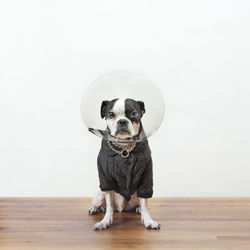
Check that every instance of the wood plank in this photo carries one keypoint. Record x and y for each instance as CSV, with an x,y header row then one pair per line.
x,y
186,223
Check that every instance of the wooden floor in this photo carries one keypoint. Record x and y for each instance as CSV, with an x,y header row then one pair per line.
x,y
186,223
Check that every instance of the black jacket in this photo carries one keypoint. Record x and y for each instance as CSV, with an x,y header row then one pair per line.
x,y
126,175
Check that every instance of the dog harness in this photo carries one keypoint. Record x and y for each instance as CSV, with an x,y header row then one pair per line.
x,y
126,175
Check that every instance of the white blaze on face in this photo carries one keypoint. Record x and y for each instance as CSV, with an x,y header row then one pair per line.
x,y
119,111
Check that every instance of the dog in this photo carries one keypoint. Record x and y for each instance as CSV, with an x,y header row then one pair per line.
x,y
124,166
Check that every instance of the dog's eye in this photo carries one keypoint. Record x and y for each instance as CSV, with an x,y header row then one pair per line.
x,y
134,113
111,114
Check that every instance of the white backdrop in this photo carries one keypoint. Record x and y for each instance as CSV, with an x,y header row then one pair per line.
x,y
197,52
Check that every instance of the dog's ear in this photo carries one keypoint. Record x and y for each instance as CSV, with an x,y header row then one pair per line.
x,y
104,108
142,107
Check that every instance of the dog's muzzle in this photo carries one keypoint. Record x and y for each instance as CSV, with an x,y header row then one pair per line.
x,y
122,127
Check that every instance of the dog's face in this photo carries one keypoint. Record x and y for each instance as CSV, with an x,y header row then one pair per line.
x,y
123,117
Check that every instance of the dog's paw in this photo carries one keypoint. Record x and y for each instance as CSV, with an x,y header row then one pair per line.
x,y
151,224
103,224
94,210
138,210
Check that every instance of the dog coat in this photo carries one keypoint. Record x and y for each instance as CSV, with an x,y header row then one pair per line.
x,y
126,175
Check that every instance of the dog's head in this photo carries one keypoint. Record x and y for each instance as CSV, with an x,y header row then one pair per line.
x,y
123,117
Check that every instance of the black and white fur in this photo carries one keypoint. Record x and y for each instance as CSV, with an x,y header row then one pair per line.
x,y
123,118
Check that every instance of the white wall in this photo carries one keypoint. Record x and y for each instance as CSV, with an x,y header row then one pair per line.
x,y
197,52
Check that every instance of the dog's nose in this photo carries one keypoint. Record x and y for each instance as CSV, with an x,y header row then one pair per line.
x,y
122,122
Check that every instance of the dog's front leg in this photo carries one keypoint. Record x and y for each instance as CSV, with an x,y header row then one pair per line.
x,y
108,218
145,216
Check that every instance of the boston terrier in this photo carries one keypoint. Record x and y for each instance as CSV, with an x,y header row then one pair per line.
x,y
124,164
